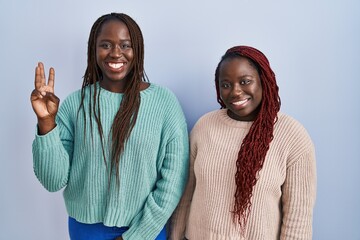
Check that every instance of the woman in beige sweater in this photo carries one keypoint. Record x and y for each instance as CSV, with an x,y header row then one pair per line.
x,y
252,170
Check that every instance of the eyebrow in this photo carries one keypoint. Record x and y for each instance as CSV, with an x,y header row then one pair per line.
x,y
242,76
109,40
246,75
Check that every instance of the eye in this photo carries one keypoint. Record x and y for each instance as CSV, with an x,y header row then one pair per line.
x,y
105,45
245,82
225,85
125,45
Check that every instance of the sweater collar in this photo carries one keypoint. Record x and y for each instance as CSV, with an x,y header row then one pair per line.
x,y
107,93
231,122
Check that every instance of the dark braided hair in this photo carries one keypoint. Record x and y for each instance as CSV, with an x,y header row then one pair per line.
x,y
256,143
126,116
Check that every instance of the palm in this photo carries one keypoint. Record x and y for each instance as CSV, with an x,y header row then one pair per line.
x,y
43,100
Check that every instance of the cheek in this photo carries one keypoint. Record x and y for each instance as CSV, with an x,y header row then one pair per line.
x,y
130,55
100,52
224,94
97,56
97,59
257,91
258,98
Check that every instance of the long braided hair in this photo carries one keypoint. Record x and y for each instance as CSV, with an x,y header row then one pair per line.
x,y
256,143
126,116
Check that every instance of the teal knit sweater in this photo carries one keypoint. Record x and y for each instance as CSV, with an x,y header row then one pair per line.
x,y
153,166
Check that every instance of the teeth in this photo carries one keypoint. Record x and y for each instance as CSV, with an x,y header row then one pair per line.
x,y
240,102
116,65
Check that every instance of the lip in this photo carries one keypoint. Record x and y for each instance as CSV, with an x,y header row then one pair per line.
x,y
240,103
115,66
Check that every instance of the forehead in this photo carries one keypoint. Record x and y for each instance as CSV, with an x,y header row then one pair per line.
x,y
114,28
237,65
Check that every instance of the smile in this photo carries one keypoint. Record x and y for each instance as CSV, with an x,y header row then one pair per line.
x,y
238,103
115,65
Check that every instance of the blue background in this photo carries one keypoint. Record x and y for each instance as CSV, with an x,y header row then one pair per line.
x,y
313,47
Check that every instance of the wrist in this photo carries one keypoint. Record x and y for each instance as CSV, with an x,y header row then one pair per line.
x,y
46,125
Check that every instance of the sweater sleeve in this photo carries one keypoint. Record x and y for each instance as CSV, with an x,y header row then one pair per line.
x,y
52,152
177,223
162,201
298,199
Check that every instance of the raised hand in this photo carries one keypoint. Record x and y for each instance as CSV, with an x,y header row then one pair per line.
x,y
43,100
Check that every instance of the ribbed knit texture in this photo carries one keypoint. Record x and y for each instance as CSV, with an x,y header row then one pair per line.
x,y
283,197
153,166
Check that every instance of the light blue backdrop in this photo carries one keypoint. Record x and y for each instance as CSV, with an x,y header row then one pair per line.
x,y
313,46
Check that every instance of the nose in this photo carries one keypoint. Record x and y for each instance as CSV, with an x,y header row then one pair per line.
x,y
236,90
116,51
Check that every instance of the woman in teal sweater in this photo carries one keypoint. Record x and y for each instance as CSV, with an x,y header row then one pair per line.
x,y
118,146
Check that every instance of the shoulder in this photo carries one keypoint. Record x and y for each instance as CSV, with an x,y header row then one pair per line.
x,y
70,104
160,102
289,125
162,99
73,96
292,135
209,117
207,121
162,92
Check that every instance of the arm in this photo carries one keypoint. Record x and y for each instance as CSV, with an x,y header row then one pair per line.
x,y
53,142
51,158
177,223
162,201
298,199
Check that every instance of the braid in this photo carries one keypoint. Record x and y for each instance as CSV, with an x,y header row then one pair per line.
x,y
256,143
126,116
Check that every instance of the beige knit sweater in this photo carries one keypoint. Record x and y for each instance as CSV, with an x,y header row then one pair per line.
x,y
283,197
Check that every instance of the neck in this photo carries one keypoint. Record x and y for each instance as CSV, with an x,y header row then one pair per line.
x,y
114,86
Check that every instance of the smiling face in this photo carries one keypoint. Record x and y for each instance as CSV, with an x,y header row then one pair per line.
x,y
240,88
114,55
